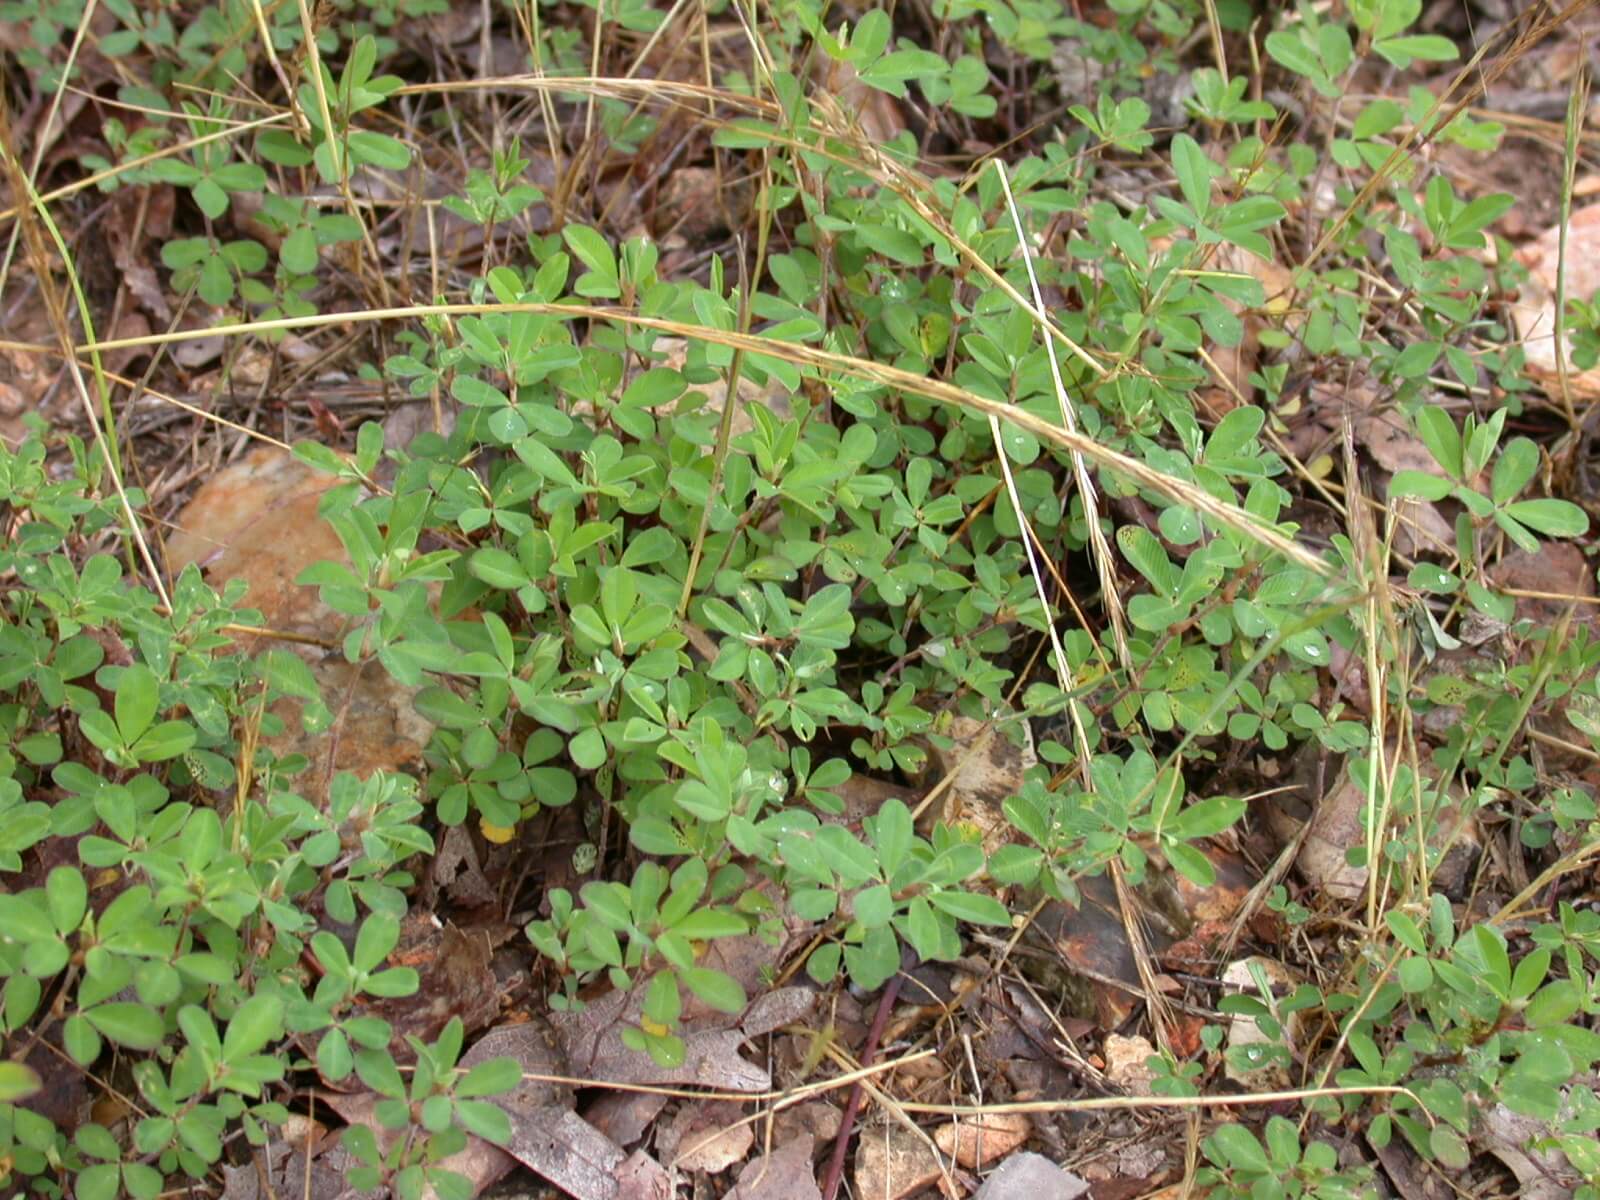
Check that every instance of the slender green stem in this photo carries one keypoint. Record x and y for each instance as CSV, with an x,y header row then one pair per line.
x,y
747,282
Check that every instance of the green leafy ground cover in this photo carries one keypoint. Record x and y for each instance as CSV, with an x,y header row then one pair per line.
x,y
1003,484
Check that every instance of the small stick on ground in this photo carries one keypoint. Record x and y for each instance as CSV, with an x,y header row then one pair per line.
x,y
891,991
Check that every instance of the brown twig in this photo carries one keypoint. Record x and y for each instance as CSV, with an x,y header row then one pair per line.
x,y
830,1183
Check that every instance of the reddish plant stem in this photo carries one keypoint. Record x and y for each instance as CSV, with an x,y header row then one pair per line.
x,y
891,991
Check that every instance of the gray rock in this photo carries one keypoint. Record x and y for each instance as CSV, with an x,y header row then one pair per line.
x,y
1030,1177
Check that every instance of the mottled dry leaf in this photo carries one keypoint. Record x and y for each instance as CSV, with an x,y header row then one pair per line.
x,y
1535,309
706,1136
257,521
983,1140
988,767
592,1042
280,1168
454,980
893,1163
772,396
1090,964
1126,1065
625,1116
785,1174
640,1177
457,872
1243,1031
1542,1174
481,1163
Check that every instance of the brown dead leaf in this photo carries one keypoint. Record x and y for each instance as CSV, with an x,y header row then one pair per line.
x,y
1244,1032
454,980
547,1136
257,521
1236,363
983,1140
281,1167
592,1043
1087,961
705,1136
893,1163
457,873
988,767
1336,825
872,109
698,204
1126,1065
624,1117
1542,1174
785,1174
1535,312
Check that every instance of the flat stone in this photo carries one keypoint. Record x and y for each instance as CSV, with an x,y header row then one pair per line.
x,y
1029,1176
